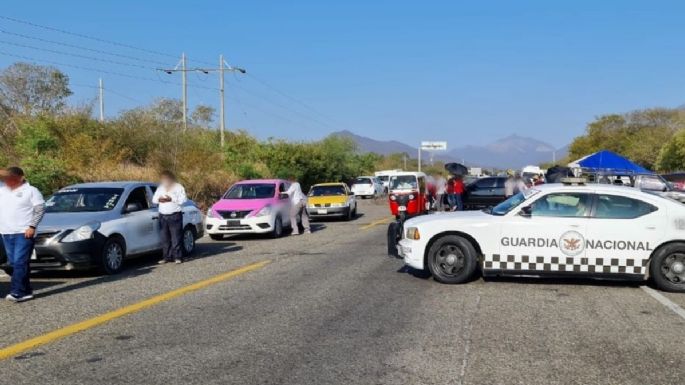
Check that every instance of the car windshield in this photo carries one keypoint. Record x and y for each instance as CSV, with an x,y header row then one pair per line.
x,y
512,202
77,200
251,191
319,191
362,181
403,182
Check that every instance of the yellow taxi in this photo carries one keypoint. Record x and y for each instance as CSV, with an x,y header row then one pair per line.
x,y
327,200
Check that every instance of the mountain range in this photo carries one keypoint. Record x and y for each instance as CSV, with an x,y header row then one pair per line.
x,y
513,151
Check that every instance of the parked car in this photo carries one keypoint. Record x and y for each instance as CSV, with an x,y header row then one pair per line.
x,y
103,224
676,179
484,192
651,183
327,200
367,187
258,206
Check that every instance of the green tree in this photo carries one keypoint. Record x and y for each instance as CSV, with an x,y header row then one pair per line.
x,y
28,89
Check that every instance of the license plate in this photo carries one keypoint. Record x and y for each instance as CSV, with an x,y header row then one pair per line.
x,y
233,223
34,256
402,208
322,211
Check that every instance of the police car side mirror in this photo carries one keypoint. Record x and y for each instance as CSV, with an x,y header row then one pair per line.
x,y
526,211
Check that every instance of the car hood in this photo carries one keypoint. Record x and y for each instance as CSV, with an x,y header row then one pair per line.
x,y
241,204
68,221
453,217
327,199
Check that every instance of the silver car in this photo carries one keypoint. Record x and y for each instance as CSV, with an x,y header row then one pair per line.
x,y
102,224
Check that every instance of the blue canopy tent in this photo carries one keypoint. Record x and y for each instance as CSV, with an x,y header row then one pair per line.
x,y
608,161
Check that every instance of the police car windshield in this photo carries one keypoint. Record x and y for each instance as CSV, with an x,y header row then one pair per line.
x,y
78,200
251,191
512,202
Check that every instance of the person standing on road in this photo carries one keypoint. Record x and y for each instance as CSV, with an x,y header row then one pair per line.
x,y
170,196
298,206
458,193
509,185
23,207
440,191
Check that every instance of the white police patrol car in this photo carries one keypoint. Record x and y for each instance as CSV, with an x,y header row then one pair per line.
x,y
568,229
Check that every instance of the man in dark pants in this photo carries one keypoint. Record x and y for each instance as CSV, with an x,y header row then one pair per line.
x,y
22,209
170,196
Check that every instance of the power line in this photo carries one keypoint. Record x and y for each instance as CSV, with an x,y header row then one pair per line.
x,y
84,36
98,70
74,55
276,90
81,47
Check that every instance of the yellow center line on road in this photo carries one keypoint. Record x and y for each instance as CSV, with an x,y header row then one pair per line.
x,y
378,222
66,331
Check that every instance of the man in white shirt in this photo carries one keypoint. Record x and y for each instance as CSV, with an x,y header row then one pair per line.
x,y
23,207
170,196
298,204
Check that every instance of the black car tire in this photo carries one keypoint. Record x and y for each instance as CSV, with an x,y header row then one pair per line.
x,y
393,237
112,255
659,267
216,237
277,232
349,214
188,239
452,259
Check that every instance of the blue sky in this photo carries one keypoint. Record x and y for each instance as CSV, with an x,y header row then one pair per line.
x,y
466,72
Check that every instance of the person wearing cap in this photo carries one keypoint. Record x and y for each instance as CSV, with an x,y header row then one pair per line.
x,y
170,196
23,207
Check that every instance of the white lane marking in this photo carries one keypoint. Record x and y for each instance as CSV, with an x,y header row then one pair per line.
x,y
664,301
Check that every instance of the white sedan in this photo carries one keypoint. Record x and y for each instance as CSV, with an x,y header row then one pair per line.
x,y
558,229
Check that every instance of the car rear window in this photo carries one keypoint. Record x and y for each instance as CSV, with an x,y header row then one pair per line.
x,y
619,207
362,181
318,191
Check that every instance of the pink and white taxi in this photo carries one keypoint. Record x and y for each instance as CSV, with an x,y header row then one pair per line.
x,y
257,206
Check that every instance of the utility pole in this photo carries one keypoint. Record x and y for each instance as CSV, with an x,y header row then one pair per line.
x,y
184,77
223,67
101,94
419,158
222,113
184,85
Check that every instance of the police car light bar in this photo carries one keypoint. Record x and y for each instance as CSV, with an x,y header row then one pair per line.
x,y
573,181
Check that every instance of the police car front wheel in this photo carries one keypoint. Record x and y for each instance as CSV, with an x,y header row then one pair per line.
x,y
452,259
668,267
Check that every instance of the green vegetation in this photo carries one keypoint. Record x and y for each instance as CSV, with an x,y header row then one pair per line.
x,y
59,145
653,138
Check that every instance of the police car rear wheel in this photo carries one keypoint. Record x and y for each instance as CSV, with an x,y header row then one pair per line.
x,y
452,259
668,267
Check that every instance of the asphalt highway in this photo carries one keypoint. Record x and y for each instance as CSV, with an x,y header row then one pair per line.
x,y
332,308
